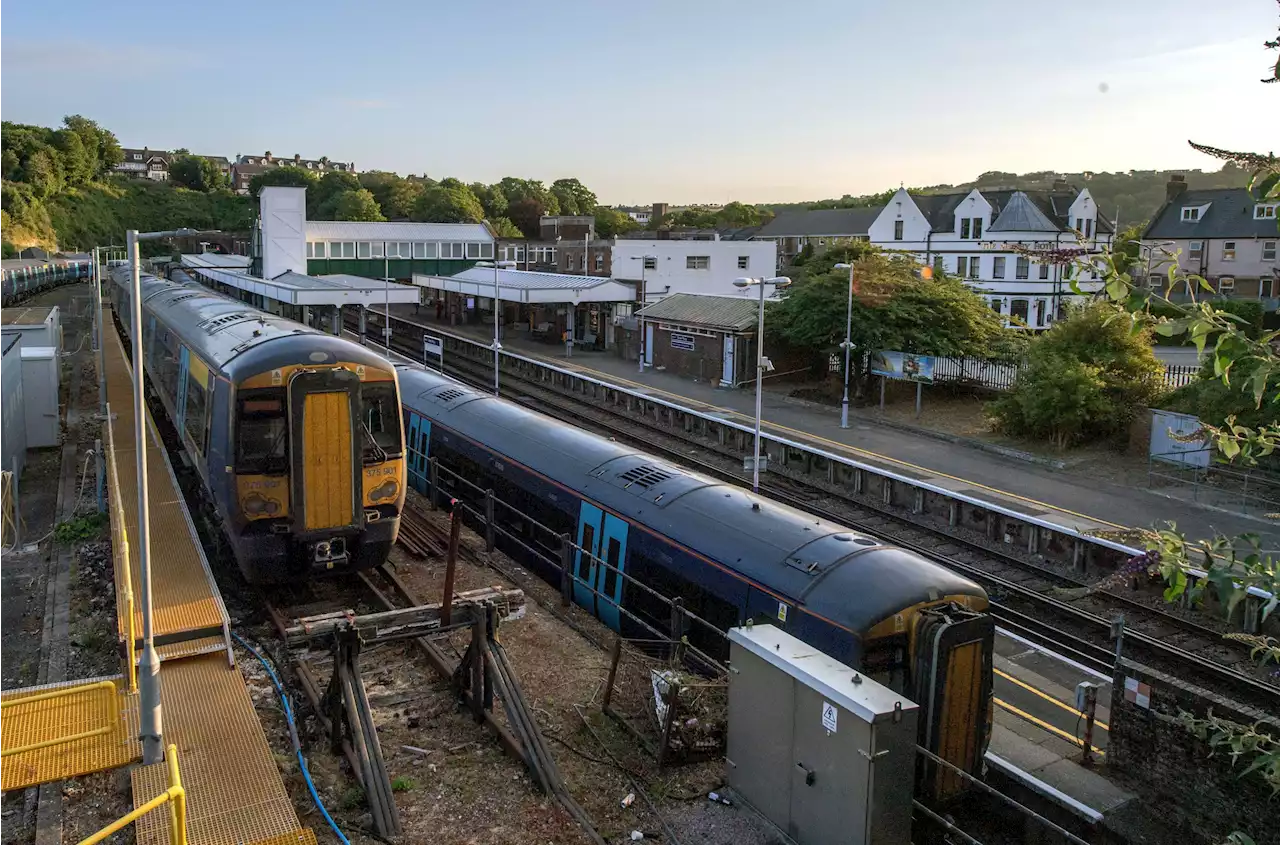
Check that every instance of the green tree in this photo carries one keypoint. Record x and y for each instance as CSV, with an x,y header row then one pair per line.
x,y
573,197
527,215
492,200
289,177
196,172
43,172
517,190
740,214
355,205
448,203
101,146
395,195
320,199
610,222
504,228
78,164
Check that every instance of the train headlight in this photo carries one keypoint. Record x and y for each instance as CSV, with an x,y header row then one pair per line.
x,y
256,504
386,490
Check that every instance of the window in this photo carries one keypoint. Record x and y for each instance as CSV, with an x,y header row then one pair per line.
x,y
379,421
744,261
377,249
997,267
1044,271
897,230
473,250
1268,250
1195,250
262,437
1226,284
362,249
419,250
613,553
486,250
1190,215
1155,281
1080,225
962,266
977,228
584,556
697,262
342,249
1265,211
406,249
1088,228
1269,287
599,261
1019,309
138,157
650,262
429,250
975,262
1228,250
194,420
317,249
997,306
964,229
1023,270
451,250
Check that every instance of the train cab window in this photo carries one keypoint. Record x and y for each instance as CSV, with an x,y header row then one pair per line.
x,y
380,420
262,439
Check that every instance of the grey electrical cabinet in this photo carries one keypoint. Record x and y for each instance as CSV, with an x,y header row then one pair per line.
x,y
822,751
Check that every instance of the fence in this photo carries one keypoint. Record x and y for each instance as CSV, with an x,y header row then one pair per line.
x,y
1252,492
1000,375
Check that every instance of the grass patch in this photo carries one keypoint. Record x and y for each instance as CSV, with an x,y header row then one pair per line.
x,y
403,784
82,529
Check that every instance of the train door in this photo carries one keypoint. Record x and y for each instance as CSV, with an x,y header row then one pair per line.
x,y
184,366
613,550
419,441
584,558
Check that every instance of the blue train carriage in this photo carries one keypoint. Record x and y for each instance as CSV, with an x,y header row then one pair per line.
x,y
295,433
729,555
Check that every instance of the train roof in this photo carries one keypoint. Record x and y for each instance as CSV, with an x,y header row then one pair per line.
x,y
847,576
220,329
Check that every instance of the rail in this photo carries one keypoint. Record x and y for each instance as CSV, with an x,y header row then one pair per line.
x,y
175,796
106,689
120,548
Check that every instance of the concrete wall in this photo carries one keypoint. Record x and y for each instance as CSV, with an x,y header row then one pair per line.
x,y
1172,769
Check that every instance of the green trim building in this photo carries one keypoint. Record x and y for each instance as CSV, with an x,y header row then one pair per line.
x,y
395,250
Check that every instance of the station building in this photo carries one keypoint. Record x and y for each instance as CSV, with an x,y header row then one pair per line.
x,y
395,250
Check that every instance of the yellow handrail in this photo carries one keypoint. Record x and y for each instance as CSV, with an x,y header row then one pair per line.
x,y
175,795
122,554
113,714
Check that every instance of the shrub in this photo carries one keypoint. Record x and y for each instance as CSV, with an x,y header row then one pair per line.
x,y
1086,378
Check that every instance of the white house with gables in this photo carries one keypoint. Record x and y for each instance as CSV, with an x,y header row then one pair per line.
x,y
1008,244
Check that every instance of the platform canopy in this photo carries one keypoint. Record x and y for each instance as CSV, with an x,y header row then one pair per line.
x,y
299,289
531,287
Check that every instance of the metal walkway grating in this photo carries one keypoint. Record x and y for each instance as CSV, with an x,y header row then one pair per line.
x,y
234,792
67,716
186,601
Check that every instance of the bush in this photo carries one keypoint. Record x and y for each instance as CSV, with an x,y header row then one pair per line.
x,y
1086,379
1248,310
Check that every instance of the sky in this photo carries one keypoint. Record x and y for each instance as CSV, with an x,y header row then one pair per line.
x,y
655,101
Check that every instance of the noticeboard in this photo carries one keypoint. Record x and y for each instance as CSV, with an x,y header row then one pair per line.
x,y
903,365
683,341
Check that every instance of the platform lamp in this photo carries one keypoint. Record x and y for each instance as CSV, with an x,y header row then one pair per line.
x,y
149,681
497,298
762,363
644,262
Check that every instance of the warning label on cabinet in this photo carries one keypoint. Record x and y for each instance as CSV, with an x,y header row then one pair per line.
x,y
829,716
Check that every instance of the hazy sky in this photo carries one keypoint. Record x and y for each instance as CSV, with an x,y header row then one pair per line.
x,y
650,100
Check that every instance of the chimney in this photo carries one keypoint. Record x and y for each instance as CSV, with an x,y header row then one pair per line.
x,y
659,209
1175,187
1061,185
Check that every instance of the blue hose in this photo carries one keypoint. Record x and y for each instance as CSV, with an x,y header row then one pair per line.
x,y
293,736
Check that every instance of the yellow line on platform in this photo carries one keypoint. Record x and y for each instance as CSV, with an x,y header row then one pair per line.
x,y
1040,723
1049,698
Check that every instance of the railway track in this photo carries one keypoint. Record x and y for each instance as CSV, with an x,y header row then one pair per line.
x,y
1043,605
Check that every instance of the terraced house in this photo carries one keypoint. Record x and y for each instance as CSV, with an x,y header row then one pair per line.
x,y
1004,243
1223,235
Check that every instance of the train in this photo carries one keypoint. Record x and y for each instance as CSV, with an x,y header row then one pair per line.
x,y
729,555
295,433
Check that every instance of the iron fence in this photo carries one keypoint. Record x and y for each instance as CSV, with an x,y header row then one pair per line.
x,y
994,374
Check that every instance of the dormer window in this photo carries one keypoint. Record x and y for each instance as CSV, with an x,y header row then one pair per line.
x,y
1191,214
1264,211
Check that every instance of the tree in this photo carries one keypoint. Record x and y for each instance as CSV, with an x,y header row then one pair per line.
x,y
289,177
43,173
101,146
355,205
516,190
740,214
527,214
573,197
77,166
504,228
610,222
492,200
196,172
451,203
395,195
320,199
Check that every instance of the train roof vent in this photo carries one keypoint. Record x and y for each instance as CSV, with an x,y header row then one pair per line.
x,y
645,476
183,297
225,320
450,393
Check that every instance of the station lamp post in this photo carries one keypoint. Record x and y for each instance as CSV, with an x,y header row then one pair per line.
x,y
644,262
149,680
762,363
847,346
497,293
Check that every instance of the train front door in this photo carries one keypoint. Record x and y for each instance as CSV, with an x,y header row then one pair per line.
x,y
585,556
609,578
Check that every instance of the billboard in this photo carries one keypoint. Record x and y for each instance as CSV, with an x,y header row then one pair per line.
x,y
903,365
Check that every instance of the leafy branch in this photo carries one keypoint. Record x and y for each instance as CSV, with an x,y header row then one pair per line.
x,y
1253,744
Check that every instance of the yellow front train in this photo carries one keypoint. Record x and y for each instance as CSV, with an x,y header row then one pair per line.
x,y
295,433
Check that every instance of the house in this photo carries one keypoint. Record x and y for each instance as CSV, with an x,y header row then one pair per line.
x,y
662,267
1224,235
822,229
248,166
1009,244
145,164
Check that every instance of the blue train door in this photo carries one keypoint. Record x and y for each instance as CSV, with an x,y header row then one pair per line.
x,y
613,551
419,441
184,366
584,565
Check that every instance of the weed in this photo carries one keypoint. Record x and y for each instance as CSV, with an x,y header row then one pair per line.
x,y
352,798
72,532
403,784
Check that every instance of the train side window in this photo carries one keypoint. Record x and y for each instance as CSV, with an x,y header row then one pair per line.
x,y
197,407
584,558
262,438
611,571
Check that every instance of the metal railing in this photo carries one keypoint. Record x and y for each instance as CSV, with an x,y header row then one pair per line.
x,y
120,549
104,689
1252,492
174,795
994,374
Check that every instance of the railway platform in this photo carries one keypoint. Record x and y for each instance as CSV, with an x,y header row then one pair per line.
x,y
230,787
